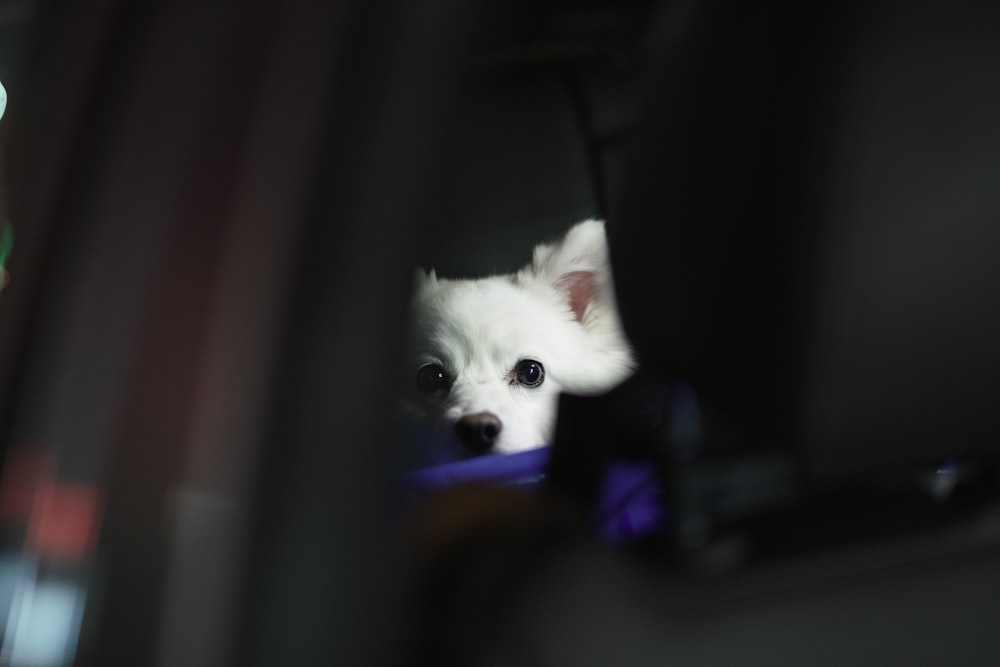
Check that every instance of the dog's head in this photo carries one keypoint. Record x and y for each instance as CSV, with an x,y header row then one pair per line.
x,y
490,356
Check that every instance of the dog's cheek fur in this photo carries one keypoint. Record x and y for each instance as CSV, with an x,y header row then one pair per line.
x,y
529,425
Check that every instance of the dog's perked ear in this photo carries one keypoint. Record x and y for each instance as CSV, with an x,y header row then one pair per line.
x,y
423,278
578,266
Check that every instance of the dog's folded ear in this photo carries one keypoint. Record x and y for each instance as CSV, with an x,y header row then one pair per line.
x,y
577,266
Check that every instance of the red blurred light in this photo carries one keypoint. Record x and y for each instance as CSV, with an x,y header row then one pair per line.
x,y
63,520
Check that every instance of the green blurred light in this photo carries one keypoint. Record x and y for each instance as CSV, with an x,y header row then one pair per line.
x,y
6,243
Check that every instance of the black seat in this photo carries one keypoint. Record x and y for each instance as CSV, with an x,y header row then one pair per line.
x,y
807,230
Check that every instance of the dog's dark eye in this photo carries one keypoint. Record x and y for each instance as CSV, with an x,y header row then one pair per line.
x,y
529,372
431,377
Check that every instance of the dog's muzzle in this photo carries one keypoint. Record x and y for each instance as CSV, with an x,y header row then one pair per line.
x,y
479,432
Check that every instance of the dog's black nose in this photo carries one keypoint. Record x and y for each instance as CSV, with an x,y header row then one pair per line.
x,y
479,432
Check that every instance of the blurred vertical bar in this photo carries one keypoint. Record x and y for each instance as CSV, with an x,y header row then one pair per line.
x,y
163,162
278,83
320,587
123,168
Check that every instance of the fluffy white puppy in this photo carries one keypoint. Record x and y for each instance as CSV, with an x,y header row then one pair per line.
x,y
492,355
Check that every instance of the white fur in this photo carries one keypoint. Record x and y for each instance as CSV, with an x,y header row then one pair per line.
x,y
478,330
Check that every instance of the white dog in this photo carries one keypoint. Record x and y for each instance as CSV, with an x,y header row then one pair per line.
x,y
492,355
